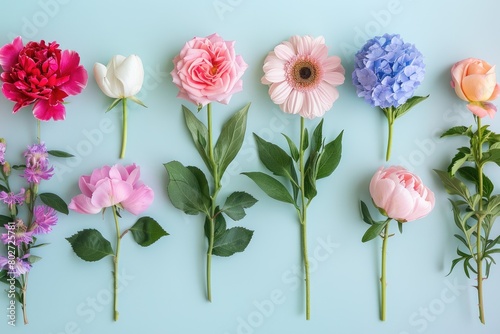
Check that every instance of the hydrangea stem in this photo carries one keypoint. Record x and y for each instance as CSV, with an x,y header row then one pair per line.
x,y
479,255
124,128
303,218
390,121
115,266
383,279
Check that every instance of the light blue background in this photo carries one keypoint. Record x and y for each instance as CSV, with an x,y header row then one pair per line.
x,y
258,291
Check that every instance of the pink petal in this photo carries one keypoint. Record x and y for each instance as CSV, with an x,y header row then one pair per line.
x,y
495,93
82,204
283,52
293,104
479,87
9,53
111,192
43,111
85,187
139,200
279,92
480,110
70,65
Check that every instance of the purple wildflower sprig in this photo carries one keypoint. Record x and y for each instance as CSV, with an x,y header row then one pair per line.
x,y
22,230
387,71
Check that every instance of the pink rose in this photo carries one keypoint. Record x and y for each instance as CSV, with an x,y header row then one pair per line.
x,y
42,74
108,186
474,80
400,195
207,70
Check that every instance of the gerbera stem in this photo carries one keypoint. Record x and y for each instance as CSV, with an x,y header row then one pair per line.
x,y
303,217
479,255
383,284
390,121
115,268
124,128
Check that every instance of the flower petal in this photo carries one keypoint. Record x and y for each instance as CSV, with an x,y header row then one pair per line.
x,y
82,204
140,199
131,74
9,53
111,192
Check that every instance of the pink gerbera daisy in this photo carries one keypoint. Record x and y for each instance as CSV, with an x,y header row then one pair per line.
x,y
302,78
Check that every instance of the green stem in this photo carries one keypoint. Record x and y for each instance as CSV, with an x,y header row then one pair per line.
x,y
479,255
124,128
39,132
303,217
23,294
390,121
383,280
213,203
115,267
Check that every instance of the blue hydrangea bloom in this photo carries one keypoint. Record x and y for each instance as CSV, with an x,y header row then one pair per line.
x,y
387,71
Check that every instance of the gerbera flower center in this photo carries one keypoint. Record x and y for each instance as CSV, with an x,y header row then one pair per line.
x,y
304,74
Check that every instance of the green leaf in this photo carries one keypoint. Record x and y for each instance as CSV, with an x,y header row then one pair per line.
x,y
470,174
330,158
146,231
458,160
317,137
400,227
453,185
492,156
493,207
233,240
202,181
373,231
55,202
294,152
456,131
33,259
220,224
365,213
230,139
236,204
90,245
272,187
3,188
5,220
60,154
410,103
136,100
311,171
305,144
184,189
114,104
5,278
274,157
199,133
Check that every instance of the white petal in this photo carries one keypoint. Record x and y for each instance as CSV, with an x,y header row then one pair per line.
x,y
100,73
294,103
131,74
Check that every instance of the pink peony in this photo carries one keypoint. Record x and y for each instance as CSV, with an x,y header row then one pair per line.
x,y
474,81
400,195
41,74
108,186
302,78
207,70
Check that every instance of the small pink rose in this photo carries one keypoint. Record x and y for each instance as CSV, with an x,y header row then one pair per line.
x,y
400,195
474,81
208,70
109,186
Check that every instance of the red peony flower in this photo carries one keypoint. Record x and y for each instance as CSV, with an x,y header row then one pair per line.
x,y
41,74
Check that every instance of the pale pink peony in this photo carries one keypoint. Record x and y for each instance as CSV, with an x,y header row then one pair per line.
x,y
302,77
41,74
474,81
108,186
207,70
400,195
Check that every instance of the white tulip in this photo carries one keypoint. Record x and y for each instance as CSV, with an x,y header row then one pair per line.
x,y
121,78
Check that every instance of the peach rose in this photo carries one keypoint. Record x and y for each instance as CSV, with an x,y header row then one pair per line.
x,y
474,80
